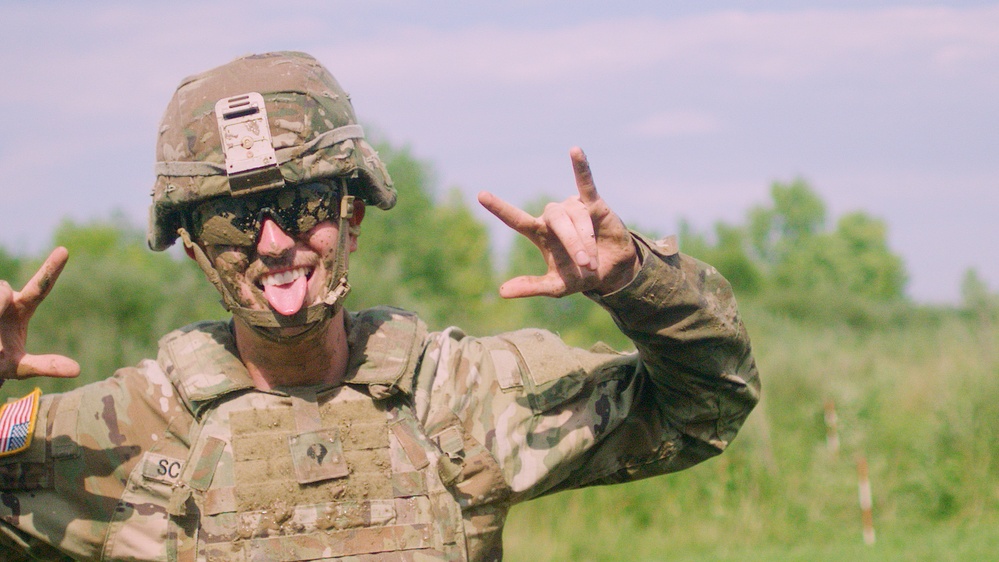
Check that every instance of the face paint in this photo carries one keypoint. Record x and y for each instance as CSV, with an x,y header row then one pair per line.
x,y
236,221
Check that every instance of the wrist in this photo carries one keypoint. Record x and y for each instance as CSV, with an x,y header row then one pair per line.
x,y
624,273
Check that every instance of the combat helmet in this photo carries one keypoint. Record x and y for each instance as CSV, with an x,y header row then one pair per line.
x,y
259,123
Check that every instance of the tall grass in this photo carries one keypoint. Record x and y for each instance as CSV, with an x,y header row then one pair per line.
x,y
917,395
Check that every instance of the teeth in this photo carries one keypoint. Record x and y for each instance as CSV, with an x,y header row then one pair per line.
x,y
283,277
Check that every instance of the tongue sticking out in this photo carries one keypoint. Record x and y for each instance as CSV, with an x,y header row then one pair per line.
x,y
287,299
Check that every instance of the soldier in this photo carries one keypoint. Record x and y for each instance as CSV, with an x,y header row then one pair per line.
x,y
300,431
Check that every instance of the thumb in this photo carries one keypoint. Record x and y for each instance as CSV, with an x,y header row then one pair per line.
x,y
48,365
533,286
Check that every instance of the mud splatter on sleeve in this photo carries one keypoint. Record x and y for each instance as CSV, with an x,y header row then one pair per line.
x,y
537,416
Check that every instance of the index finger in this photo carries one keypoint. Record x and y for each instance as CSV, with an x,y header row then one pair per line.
x,y
512,216
584,178
41,282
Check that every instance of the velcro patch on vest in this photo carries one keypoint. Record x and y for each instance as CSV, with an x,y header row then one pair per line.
x,y
318,455
17,423
507,368
162,468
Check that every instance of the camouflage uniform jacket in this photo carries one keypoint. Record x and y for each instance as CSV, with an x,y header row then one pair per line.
x,y
437,434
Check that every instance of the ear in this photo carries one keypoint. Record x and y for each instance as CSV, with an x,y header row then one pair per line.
x,y
190,252
355,223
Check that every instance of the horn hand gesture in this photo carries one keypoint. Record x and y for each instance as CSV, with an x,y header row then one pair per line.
x,y
585,245
16,309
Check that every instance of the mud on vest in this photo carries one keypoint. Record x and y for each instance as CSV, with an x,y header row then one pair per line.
x,y
310,473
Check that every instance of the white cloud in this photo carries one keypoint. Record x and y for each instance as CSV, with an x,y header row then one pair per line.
x,y
675,124
784,46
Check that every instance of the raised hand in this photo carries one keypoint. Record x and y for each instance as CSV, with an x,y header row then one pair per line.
x,y
16,309
586,246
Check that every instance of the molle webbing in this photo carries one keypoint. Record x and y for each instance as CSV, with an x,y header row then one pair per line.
x,y
379,504
264,470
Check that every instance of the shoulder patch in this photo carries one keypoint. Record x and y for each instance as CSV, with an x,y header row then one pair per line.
x,y
17,423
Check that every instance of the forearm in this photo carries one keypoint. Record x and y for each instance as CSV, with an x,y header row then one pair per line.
x,y
682,316
551,417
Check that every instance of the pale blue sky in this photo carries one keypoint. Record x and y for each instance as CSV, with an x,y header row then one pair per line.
x,y
685,110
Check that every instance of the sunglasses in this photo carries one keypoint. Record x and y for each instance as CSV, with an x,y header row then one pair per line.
x,y
236,221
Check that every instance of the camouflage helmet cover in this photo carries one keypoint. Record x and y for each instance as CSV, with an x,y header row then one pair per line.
x,y
306,110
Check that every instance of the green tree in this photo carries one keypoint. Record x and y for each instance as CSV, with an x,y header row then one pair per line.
x,y
976,298
729,254
796,213
872,269
854,259
785,253
425,255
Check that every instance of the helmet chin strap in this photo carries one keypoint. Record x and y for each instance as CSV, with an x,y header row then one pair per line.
x,y
269,324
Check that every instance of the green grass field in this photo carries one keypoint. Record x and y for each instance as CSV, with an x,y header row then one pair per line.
x,y
917,396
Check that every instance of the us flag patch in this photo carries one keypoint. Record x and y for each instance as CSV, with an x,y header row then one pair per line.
x,y
17,423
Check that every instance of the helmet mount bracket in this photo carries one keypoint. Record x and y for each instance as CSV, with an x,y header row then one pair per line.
x,y
250,161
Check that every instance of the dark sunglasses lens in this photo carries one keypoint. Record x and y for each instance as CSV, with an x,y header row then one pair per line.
x,y
236,222
297,211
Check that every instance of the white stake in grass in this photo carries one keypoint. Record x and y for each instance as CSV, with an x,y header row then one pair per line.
x,y
866,503
832,431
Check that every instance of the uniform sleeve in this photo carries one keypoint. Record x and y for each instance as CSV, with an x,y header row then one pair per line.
x,y
523,414
60,494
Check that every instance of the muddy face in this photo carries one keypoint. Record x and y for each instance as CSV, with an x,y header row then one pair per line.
x,y
279,271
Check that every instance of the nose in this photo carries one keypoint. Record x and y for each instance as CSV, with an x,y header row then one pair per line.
x,y
273,241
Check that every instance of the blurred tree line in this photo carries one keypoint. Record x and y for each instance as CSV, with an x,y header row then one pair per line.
x,y
786,256
432,254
